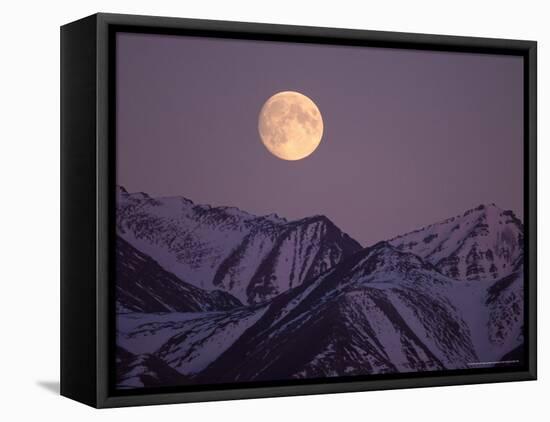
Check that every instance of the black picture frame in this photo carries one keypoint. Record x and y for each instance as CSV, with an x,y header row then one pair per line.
x,y
87,210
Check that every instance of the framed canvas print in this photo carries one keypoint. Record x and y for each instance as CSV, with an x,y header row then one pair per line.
x,y
254,210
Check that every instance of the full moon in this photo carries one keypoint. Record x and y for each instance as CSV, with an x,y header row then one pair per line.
x,y
290,125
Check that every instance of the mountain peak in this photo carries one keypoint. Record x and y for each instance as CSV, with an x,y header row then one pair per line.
x,y
319,218
483,208
121,191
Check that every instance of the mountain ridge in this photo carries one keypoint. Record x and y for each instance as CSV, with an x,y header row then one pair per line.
x,y
313,302
481,243
253,258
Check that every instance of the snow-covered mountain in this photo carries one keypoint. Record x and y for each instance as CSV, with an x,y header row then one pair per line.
x,y
253,258
144,286
485,243
315,303
379,311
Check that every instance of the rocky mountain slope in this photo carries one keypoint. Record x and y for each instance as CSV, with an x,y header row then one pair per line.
x,y
380,311
315,303
484,243
253,258
144,286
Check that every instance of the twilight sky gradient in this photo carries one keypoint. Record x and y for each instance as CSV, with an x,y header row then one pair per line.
x,y
410,137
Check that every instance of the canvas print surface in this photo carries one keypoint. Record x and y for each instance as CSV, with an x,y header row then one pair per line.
x,y
290,211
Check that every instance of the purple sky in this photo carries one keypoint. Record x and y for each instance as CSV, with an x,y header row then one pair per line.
x,y
410,138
